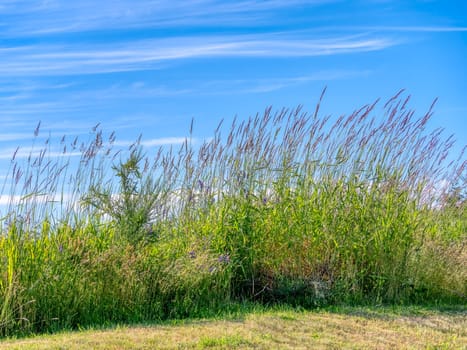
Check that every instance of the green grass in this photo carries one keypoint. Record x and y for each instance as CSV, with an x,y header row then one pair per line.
x,y
284,208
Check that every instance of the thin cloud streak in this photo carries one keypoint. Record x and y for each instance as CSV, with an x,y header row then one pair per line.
x,y
23,154
241,86
6,200
55,17
35,108
164,141
57,126
421,29
149,54
8,137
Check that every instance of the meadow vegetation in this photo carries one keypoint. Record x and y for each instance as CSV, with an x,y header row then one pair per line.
x,y
284,207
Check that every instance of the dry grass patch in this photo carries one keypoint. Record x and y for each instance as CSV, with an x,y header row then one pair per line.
x,y
353,329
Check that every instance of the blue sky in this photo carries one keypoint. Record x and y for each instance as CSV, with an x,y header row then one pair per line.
x,y
150,66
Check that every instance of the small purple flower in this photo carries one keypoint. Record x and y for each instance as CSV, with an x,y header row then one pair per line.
x,y
201,184
192,254
224,258
60,248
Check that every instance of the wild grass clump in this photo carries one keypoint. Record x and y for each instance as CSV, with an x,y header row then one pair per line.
x,y
284,207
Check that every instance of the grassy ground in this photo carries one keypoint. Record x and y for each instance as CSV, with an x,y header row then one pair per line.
x,y
342,328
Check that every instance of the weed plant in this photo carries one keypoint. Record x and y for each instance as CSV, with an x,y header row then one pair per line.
x,y
287,206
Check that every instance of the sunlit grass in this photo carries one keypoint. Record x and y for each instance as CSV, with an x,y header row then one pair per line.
x,y
348,328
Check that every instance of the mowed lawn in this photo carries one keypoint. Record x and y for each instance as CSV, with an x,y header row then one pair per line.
x,y
343,328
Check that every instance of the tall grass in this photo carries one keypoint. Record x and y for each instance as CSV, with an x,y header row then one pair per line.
x,y
286,206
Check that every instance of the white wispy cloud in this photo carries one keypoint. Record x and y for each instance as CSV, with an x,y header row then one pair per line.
x,y
66,114
8,200
36,198
63,16
163,141
34,108
140,89
149,54
12,136
26,151
273,84
22,153
420,29
131,90
26,18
